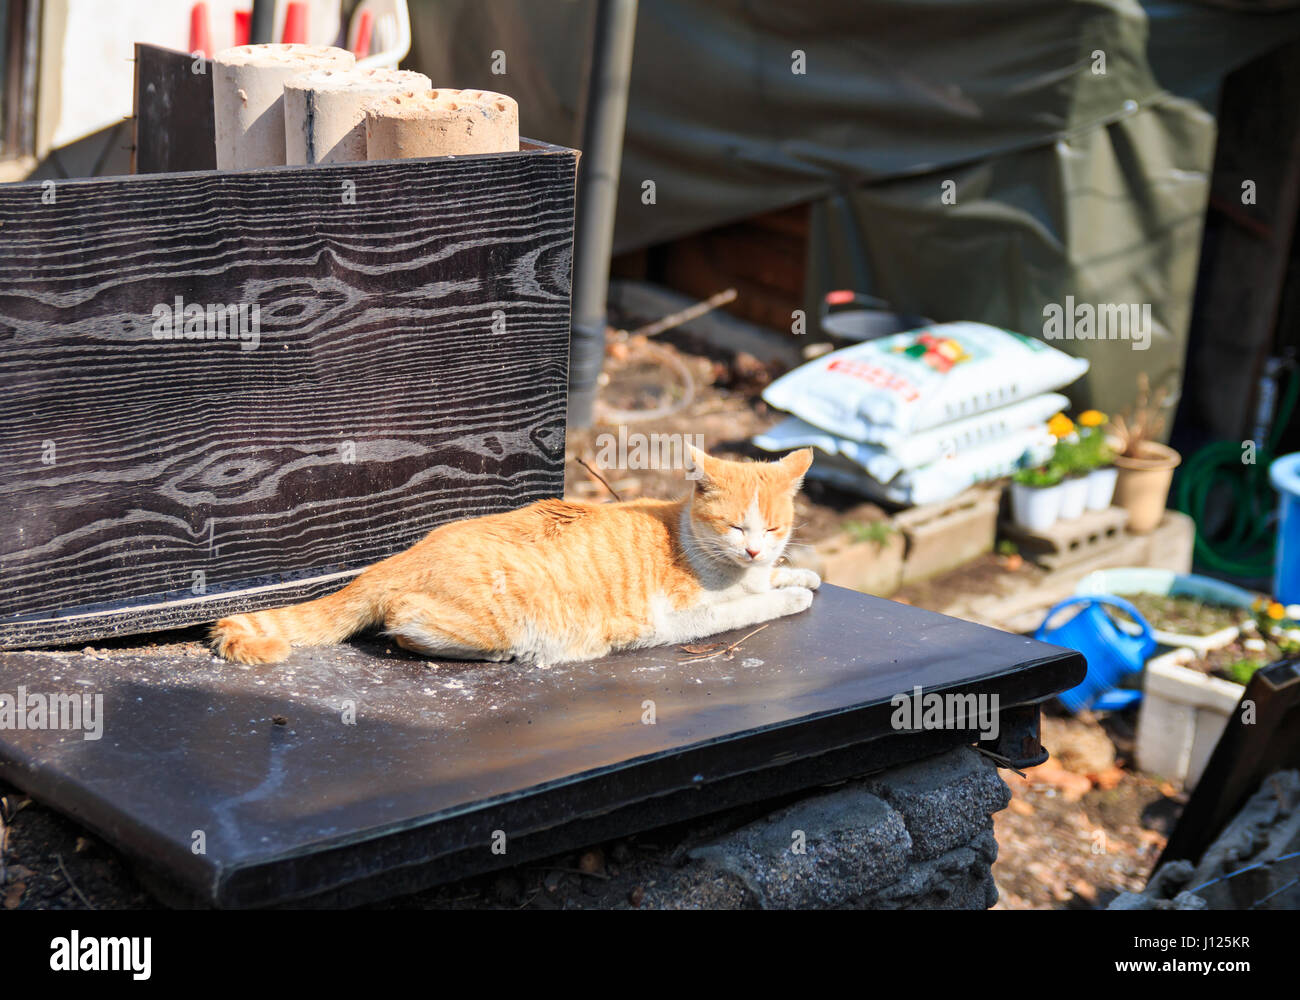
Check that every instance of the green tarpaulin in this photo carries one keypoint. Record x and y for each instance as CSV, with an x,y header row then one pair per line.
x,y
1077,137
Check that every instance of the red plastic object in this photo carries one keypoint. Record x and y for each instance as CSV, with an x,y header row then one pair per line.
x,y
200,31
295,24
243,26
361,47
839,298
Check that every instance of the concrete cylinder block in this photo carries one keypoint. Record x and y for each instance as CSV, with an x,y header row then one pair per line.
x,y
324,110
441,122
248,98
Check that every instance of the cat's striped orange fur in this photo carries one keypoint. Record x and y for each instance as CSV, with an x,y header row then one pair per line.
x,y
559,581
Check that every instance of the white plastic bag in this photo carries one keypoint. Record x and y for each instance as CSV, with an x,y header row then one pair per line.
x,y
885,390
946,477
885,462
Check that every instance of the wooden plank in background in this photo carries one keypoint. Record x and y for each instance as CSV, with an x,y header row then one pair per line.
x,y
173,113
1247,247
410,369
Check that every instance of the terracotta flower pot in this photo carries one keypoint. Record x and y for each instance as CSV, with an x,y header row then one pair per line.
x,y
1143,484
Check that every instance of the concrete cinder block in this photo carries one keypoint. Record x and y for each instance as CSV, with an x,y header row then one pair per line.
x,y
1170,545
866,566
943,536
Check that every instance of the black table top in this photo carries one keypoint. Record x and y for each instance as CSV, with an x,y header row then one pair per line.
x,y
191,744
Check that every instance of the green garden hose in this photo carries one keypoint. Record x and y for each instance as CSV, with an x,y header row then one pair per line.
x,y
1245,547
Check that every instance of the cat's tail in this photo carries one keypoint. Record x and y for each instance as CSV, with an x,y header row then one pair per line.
x,y
266,636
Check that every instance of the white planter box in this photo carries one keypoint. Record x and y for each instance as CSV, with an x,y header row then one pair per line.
x,y
1183,714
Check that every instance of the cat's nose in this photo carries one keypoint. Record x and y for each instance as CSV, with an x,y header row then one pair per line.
x,y
753,553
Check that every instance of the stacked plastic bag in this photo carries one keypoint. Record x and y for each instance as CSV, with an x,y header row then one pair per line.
x,y
919,417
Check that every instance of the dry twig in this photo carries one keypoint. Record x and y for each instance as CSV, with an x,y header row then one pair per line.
x,y
80,895
593,472
728,649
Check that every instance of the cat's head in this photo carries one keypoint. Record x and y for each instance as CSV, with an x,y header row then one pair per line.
x,y
743,512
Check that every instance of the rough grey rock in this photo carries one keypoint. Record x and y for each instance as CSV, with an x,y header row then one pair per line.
x,y
960,879
1240,870
945,800
918,836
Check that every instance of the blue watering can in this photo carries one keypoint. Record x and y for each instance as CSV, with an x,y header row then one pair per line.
x,y
1111,653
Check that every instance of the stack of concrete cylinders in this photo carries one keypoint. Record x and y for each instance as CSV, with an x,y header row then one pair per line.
x,y
248,98
324,110
441,122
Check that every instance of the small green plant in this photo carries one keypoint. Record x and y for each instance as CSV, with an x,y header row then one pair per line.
x,y
1094,451
1041,476
1242,671
1071,456
872,531
1273,622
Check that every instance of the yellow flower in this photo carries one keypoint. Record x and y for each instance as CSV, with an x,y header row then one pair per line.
x,y
1092,418
1060,425
1275,610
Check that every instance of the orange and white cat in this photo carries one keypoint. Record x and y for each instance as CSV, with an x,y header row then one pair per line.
x,y
558,581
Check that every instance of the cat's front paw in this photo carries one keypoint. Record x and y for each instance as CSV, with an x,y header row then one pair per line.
x,y
788,577
792,600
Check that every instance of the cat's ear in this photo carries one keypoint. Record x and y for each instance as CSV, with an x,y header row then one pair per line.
x,y
796,464
699,465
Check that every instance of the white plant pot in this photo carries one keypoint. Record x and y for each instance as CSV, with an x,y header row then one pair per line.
x,y
1183,714
1074,497
1035,508
1101,487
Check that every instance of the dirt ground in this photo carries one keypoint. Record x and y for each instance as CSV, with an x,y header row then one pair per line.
x,y
1080,829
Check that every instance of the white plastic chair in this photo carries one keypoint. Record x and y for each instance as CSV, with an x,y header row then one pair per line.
x,y
390,38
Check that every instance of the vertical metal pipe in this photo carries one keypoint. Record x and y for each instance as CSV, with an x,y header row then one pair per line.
x,y
602,155
261,26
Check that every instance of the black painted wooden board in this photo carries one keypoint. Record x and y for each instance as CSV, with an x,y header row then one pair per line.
x,y
410,369
174,125
441,755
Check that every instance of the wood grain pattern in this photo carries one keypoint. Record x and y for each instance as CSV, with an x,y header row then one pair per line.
x,y
423,328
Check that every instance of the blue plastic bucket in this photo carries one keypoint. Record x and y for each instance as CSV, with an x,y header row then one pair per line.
x,y
1284,474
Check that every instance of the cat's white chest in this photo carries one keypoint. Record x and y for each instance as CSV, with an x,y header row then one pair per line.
x,y
752,581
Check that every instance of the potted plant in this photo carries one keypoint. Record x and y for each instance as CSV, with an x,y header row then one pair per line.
x,y
1098,458
1071,458
1191,694
1146,467
1036,496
